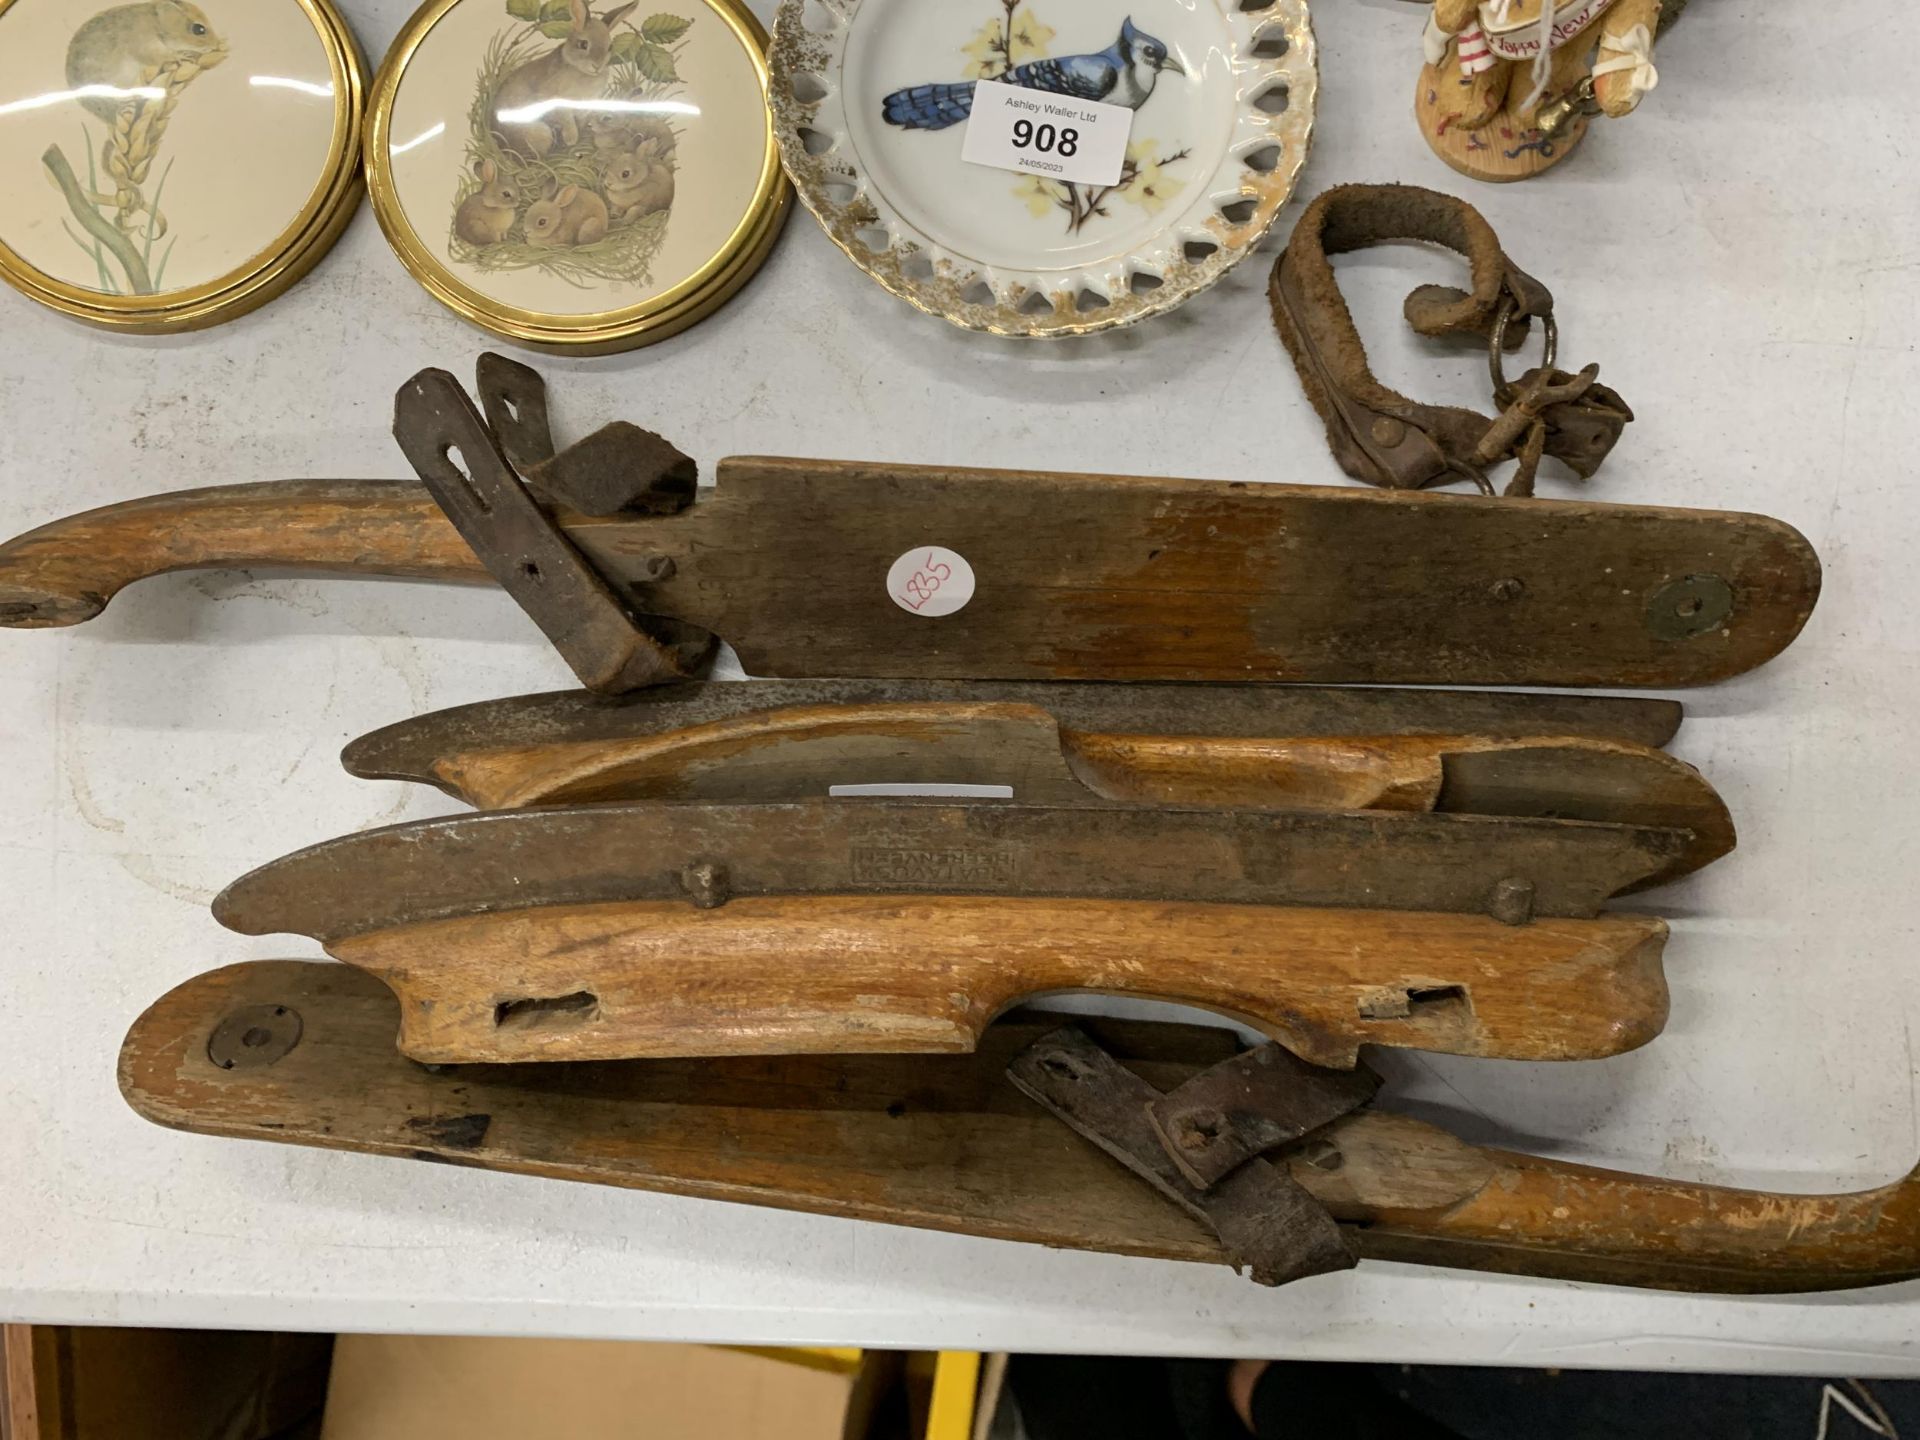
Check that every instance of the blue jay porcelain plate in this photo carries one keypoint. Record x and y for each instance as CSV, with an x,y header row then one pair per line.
x,y
871,100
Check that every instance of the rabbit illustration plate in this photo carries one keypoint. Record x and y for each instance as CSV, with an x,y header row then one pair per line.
x,y
577,175
168,164
871,101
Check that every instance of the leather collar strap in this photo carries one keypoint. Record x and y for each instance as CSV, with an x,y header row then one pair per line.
x,y
1379,435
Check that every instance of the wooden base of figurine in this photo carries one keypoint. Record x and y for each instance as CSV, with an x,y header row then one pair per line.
x,y
1503,149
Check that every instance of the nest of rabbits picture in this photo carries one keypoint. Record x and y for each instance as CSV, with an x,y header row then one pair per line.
x,y
571,151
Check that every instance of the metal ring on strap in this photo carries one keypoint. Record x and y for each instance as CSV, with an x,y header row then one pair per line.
x,y
1497,343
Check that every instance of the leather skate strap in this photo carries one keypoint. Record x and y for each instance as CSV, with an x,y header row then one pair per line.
x,y
1381,436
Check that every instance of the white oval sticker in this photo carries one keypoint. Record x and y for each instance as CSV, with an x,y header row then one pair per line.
x,y
930,580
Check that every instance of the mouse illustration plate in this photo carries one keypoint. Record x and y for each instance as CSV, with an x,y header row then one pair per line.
x,y
871,100
579,176
169,164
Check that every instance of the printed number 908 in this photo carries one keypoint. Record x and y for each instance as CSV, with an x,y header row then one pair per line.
x,y
1045,139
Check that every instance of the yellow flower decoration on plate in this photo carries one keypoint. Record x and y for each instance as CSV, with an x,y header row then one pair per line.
x,y
1030,37
984,51
1143,181
1039,196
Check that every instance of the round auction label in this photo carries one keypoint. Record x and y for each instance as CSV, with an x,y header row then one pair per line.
x,y
930,580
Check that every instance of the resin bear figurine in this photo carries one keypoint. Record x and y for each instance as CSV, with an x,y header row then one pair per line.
x,y
1509,85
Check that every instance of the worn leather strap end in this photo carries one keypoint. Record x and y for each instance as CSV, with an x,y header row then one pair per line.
x,y
1438,311
1441,312
619,469
1582,433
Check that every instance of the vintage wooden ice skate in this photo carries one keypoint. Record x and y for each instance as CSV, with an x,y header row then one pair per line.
x,y
302,1053
1253,747
620,930
862,569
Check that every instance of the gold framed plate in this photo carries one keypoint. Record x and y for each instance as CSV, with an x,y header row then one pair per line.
x,y
169,164
580,176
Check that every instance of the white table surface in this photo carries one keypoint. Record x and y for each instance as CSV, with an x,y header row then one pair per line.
x,y
1743,258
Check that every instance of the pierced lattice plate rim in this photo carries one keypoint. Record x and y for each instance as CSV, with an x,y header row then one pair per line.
x,y
1214,226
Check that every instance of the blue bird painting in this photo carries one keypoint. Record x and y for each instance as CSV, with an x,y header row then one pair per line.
x,y
1122,74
